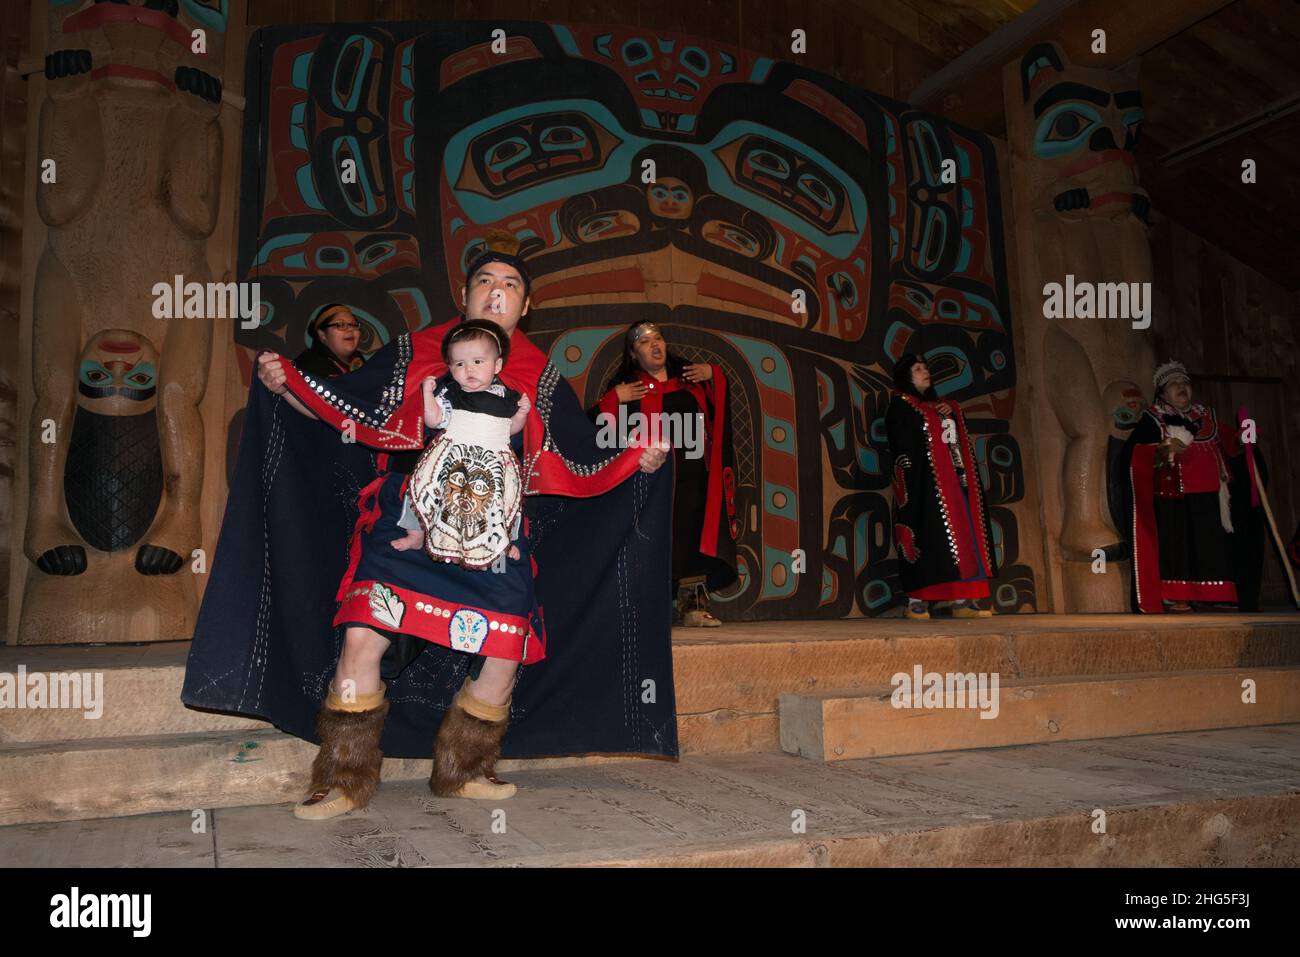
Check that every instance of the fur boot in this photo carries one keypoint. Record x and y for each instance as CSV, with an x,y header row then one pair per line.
x,y
467,749
345,773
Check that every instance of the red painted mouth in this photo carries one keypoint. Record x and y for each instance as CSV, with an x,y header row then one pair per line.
x,y
1098,159
132,73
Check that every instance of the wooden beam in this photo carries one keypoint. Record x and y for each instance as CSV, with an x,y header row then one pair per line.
x,y
969,90
1265,117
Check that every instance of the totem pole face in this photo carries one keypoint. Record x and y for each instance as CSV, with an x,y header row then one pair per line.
x,y
1125,402
1086,124
118,374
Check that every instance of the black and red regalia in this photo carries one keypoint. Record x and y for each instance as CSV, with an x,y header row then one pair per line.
x,y
941,525
705,526
1176,515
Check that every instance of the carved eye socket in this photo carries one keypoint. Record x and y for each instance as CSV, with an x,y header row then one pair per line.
x,y
1067,125
95,375
140,378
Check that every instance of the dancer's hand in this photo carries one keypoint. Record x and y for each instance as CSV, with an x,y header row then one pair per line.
x,y
630,391
652,458
270,370
698,372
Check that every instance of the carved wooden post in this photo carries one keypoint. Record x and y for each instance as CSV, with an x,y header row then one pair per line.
x,y
128,186
1079,212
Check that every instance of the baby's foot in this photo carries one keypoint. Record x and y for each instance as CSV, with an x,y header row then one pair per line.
x,y
514,552
412,539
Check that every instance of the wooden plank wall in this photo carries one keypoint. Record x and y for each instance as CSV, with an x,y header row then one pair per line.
x,y
1235,327
13,149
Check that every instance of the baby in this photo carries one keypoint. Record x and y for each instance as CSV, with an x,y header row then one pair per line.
x,y
469,495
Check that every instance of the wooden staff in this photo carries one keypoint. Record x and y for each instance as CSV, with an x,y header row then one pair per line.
x,y
1286,562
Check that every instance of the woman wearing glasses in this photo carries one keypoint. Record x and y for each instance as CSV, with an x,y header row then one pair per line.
x,y
335,333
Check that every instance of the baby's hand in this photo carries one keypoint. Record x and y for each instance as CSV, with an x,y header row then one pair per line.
x,y
514,553
429,383
524,404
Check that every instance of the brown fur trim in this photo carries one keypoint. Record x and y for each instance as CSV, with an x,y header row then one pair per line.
x,y
349,757
466,748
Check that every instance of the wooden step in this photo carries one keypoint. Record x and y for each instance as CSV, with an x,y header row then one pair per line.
x,y
1194,799
901,719
114,777
728,680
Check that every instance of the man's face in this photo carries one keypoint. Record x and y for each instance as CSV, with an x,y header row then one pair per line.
x,y
651,352
497,286
341,334
473,363
921,377
1179,393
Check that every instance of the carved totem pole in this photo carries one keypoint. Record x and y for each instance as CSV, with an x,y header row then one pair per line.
x,y
1079,213
129,154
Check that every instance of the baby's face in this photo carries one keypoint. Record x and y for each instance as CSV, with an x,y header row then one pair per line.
x,y
473,364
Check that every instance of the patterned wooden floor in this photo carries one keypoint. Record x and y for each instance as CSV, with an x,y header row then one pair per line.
x,y
1228,797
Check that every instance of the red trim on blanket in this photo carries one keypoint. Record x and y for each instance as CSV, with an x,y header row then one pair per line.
x,y
1199,591
950,591
367,515
1146,542
525,646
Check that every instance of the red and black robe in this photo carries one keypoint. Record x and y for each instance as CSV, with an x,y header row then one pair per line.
x,y
1175,521
705,527
941,526
269,632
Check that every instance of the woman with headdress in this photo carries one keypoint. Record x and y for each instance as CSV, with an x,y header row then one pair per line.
x,y
941,527
335,338
1178,508
652,380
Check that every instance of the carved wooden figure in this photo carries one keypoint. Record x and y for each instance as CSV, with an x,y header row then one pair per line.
x,y
1080,213
129,122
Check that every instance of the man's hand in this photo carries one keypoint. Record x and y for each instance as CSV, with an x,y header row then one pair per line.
x,y
630,391
271,372
652,458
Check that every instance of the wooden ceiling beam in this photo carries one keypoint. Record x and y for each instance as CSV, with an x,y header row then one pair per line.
x,y
969,89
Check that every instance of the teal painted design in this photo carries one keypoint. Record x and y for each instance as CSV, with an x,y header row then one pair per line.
x,y
878,594
772,558
838,549
332,257
297,126
212,19
564,36
770,425
366,51
307,188
836,434
828,585
279,242
421,304
859,543
588,341
755,351
301,65
789,510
